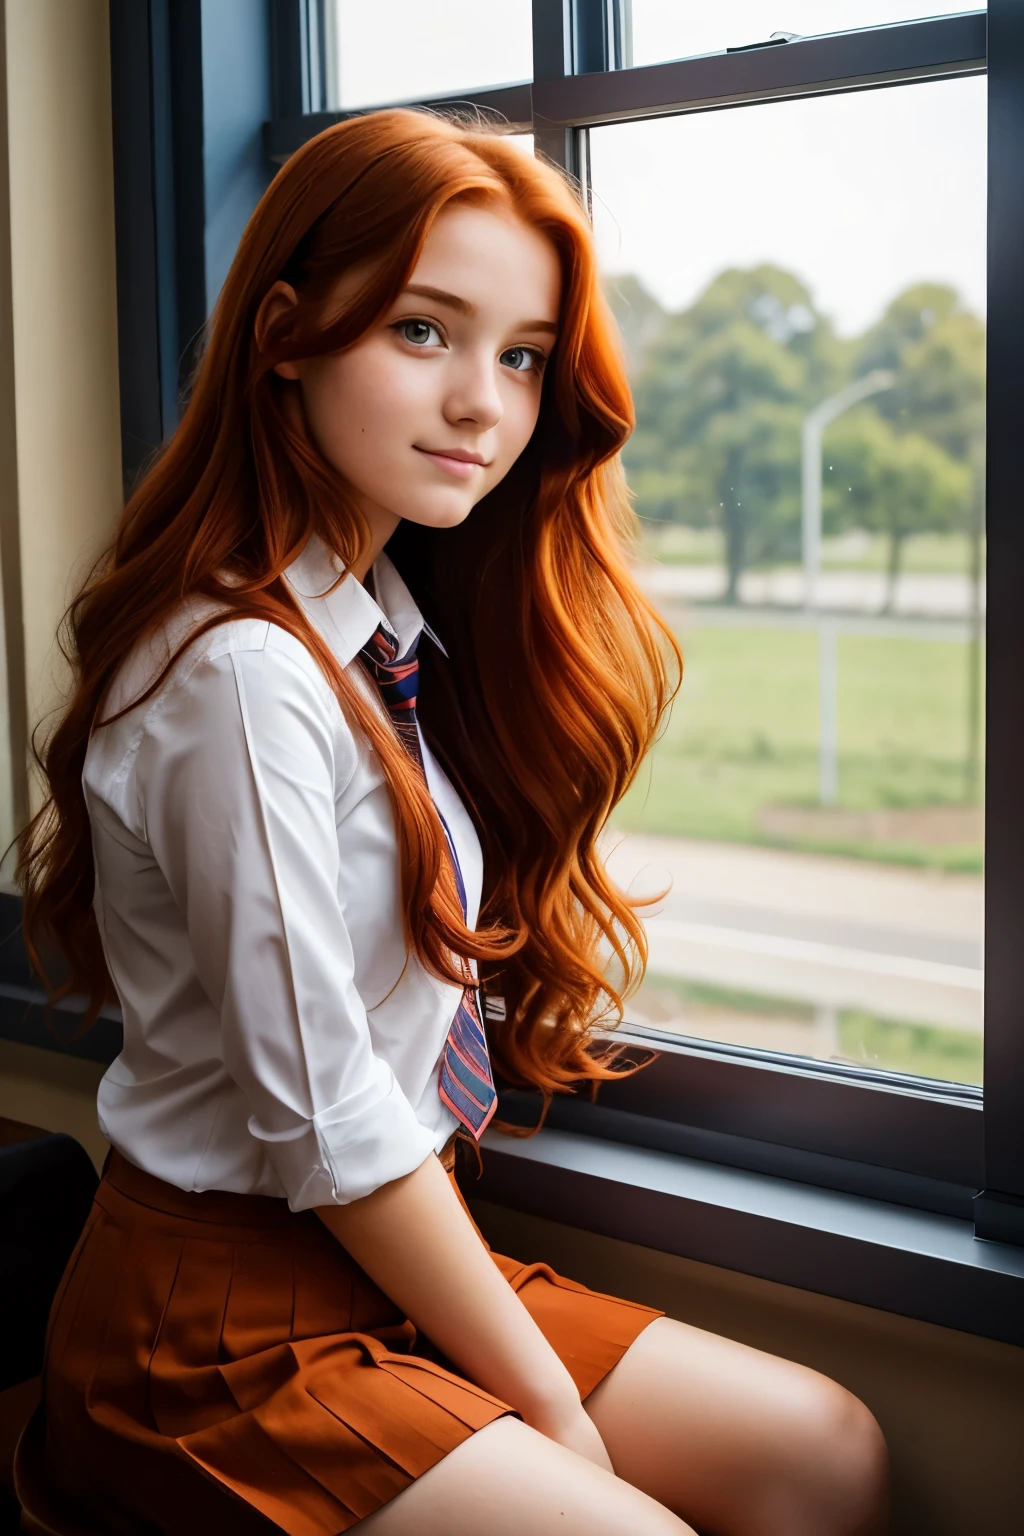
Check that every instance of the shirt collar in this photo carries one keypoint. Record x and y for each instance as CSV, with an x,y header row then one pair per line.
x,y
343,611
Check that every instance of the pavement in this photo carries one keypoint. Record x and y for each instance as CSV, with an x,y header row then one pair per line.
x,y
938,596
902,944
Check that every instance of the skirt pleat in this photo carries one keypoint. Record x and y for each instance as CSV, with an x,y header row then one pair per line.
x,y
260,1308
216,1361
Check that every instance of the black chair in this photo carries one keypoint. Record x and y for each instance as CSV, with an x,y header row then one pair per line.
x,y
47,1183
46,1191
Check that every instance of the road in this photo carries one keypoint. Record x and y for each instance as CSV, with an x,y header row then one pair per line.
x,y
926,596
834,933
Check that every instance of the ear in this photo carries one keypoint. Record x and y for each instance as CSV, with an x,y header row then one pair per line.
x,y
280,297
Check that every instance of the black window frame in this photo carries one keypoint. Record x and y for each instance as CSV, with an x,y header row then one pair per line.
x,y
937,1146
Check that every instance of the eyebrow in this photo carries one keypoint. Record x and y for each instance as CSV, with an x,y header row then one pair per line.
x,y
463,307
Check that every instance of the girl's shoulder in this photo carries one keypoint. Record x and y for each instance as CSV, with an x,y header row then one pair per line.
x,y
180,661
172,656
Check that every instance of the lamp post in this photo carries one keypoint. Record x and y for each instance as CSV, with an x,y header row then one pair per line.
x,y
814,426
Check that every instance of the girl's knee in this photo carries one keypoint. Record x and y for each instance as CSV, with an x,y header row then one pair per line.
x,y
842,1462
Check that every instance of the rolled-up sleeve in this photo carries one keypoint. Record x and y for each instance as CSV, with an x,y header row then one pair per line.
x,y
237,782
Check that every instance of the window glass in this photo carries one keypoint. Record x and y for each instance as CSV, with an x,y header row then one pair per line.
x,y
398,50
801,291
666,29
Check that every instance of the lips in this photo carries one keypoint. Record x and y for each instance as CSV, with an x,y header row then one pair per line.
x,y
458,462
461,455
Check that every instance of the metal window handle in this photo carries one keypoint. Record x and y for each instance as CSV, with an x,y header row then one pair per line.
x,y
771,42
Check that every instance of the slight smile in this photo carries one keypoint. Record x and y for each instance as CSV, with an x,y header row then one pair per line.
x,y
455,460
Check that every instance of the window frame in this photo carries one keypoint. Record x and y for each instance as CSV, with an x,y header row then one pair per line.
x,y
937,1146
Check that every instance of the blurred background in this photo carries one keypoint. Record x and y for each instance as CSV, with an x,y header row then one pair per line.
x,y
803,311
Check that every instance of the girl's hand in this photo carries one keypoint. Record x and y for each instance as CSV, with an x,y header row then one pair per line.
x,y
576,1430
416,1240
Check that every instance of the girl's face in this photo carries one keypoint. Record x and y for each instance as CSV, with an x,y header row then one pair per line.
x,y
430,409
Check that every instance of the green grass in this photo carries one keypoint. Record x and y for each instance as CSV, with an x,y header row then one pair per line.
x,y
674,544
865,1039
922,1050
743,738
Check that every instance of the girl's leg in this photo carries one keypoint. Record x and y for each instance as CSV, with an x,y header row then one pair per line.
x,y
739,1442
506,1480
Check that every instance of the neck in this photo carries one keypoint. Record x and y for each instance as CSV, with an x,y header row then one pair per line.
x,y
382,525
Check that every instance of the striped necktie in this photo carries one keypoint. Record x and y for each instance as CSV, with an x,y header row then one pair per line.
x,y
465,1083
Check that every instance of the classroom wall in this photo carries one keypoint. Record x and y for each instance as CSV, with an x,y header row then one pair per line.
x,y
63,492
52,1091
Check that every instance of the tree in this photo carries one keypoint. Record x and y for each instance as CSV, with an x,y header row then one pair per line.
x,y
639,316
722,389
937,349
892,483
720,396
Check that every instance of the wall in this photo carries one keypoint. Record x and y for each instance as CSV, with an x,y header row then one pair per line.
x,y
53,1092
63,493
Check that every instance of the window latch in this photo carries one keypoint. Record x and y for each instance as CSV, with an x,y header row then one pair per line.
x,y
771,42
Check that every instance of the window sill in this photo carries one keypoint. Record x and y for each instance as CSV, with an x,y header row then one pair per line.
x,y
916,1263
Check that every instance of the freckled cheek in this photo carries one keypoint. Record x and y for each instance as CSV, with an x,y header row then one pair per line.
x,y
362,417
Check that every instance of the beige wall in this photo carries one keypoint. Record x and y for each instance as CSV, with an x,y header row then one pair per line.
x,y
53,1092
951,1404
64,490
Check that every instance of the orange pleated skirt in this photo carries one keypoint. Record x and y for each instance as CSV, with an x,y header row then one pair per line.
x,y
217,1362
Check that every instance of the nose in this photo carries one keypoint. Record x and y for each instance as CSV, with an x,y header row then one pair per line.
x,y
472,396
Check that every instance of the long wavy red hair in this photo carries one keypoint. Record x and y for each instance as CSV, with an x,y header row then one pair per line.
x,y
558,671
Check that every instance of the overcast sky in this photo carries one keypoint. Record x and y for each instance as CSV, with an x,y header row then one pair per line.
x,y
858,194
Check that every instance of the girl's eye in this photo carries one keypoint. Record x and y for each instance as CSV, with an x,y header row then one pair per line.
x,y
521,360
419,332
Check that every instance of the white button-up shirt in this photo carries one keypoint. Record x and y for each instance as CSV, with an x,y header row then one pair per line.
x,y
277,1038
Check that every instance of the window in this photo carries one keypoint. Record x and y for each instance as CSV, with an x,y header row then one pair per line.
x,y
805,325
392,51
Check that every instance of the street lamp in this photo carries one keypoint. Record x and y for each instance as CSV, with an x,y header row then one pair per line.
x,y
814,426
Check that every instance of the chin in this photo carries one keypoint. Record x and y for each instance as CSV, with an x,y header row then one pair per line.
x,y
438,517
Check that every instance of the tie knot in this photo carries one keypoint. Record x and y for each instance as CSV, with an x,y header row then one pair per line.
x,y
396,680
382,646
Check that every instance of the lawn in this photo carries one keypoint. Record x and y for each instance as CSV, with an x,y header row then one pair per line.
x,y
864,1039
738,759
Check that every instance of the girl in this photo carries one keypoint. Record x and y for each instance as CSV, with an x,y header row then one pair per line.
x,y
307,794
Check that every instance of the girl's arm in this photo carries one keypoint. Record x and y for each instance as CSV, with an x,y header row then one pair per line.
x,y
413,1238
236,782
